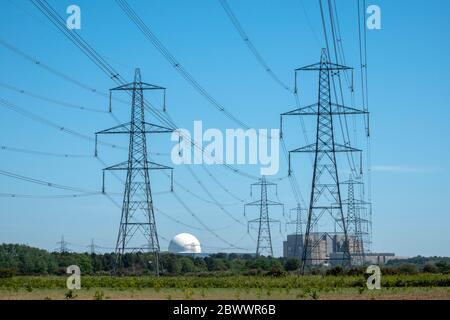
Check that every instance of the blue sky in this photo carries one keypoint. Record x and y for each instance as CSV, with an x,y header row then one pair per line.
x,y
408,87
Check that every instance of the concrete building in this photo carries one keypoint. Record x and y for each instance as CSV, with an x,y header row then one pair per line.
x,y
329,250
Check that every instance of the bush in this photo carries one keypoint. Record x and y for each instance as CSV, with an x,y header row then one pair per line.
x,y
430,268
292,264
335,271
443,266
276,272
355,271
7,273
408,268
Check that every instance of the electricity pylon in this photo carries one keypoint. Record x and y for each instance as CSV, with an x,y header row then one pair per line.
x,y
297,222
355,223
137,217
264,243
93,246
63,245
325,199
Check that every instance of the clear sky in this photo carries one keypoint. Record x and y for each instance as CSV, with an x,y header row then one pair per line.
x,y
408,65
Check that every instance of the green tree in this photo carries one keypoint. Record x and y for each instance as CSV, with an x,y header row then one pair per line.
x,y
291,264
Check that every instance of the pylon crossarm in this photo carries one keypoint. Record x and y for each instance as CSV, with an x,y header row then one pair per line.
x,y
323,66
121,128
313,148
125,128
253,203
336,109
154,128
150,166
302,111
274,203
137,86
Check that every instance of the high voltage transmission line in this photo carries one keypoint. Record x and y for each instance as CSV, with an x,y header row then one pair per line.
x,y
54,101
62,128
137,214
325,171
91,52
344,131
116,77
97,59
293,180
6,104
250,45
44,183
264,242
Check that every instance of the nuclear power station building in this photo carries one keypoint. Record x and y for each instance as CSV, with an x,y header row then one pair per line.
x,y
329,248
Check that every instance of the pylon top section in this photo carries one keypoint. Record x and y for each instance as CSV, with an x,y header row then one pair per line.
x,y
324,64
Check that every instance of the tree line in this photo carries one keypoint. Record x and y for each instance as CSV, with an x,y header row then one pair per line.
x,y
16,259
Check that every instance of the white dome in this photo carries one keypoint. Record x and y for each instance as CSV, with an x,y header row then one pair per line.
x,y
184,243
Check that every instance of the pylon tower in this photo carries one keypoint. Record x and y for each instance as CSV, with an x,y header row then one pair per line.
x,y
63,248
355,223
325,199
264,242
92,246
137,223
297,222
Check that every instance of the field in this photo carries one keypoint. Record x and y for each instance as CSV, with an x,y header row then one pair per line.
x,y
421,286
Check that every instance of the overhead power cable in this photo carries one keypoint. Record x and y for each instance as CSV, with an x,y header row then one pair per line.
x,y
293,180
250,45
42,120
43,153
57,196
97,59
56,102
43,183
192,213
134,17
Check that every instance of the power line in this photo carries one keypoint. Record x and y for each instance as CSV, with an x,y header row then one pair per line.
x,y
44,153
293,180
346,140
209,194
250,45
95,57
308,20
202,223
60,196
56,102
134,17
42,182
49,123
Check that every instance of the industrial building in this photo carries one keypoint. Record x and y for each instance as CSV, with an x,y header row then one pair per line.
x,y
328,249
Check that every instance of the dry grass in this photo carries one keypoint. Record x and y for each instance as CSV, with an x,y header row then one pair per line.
x,y
231,294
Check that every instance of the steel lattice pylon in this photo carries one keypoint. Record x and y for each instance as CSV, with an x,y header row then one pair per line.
x,y
264,242
325,199
297,222
137,223
355,222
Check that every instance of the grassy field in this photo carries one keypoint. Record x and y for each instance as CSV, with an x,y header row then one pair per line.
x,y
422,286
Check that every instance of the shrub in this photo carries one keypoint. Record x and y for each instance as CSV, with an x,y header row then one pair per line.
x,y
335,271
430,268
7,273
276,272
292,264
408,268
